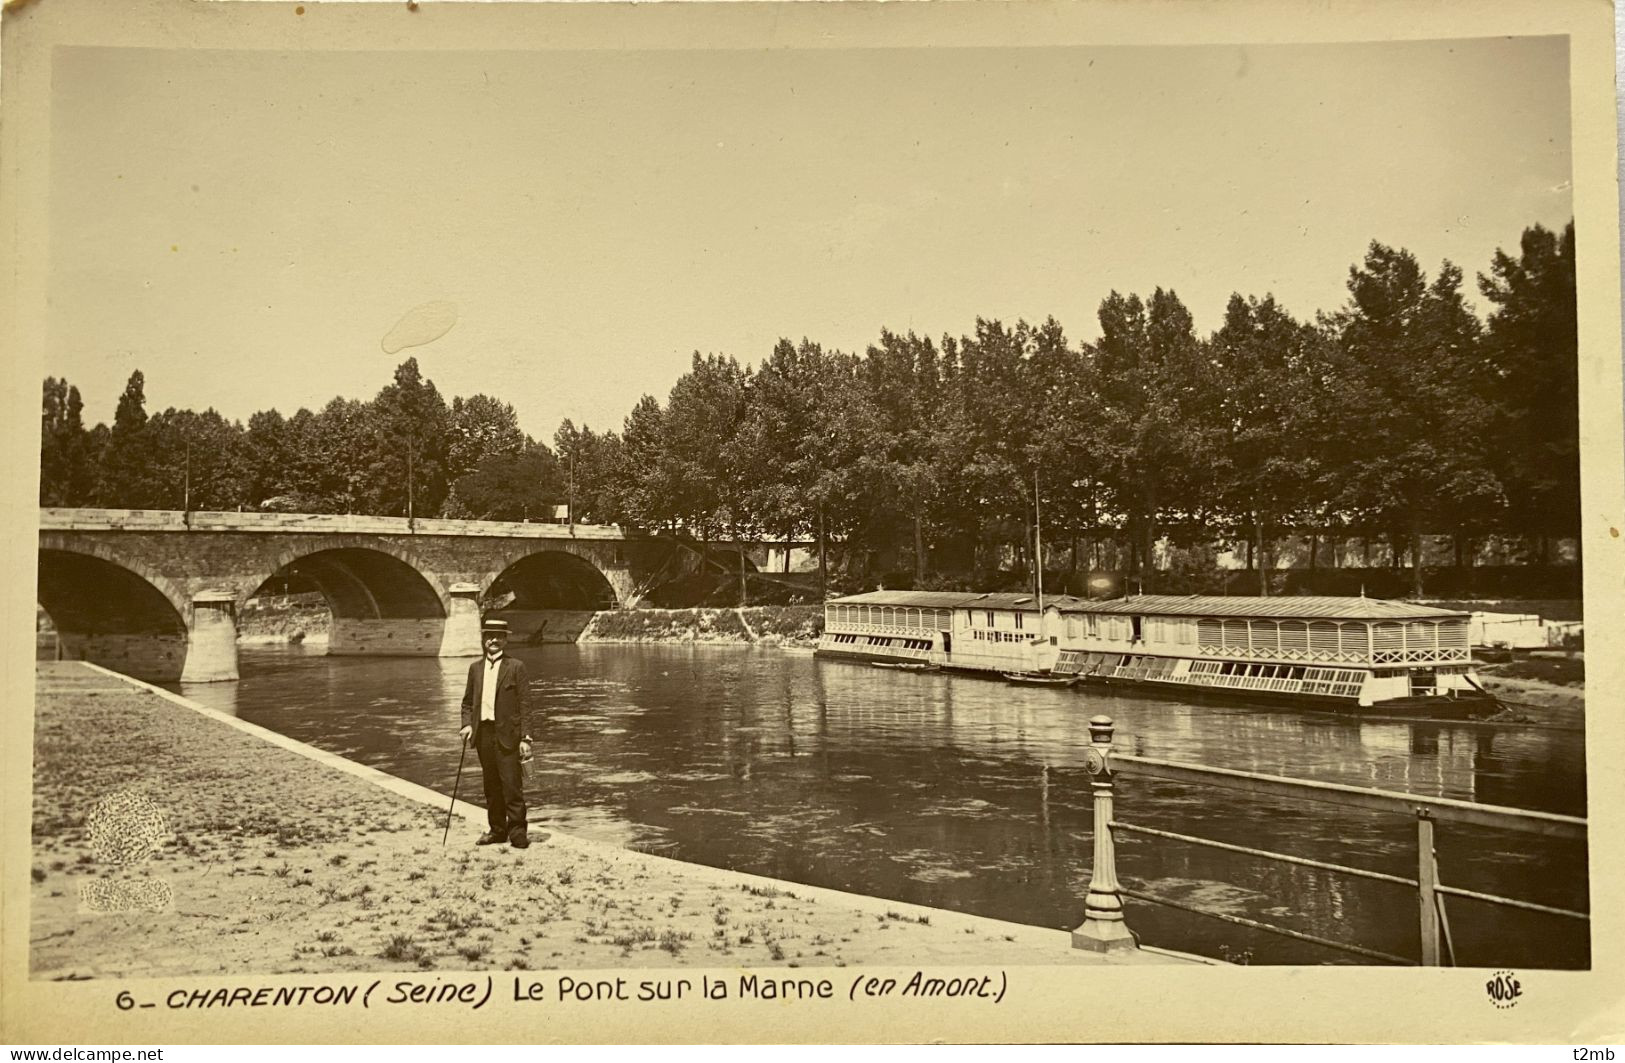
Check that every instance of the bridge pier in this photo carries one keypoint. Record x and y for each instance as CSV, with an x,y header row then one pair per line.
x,y
621,581
462,634
211,642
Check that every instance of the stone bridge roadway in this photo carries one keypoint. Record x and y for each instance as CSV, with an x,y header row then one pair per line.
x,y
155,594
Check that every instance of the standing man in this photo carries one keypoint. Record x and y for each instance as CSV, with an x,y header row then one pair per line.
x,y
494,714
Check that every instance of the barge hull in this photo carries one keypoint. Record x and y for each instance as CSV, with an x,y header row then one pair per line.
x,y
1438,707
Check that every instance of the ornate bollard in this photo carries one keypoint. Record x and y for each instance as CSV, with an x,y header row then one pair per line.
x,y
1103,929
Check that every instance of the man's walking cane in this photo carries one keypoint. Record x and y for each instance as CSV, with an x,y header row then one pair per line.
x,y
454,787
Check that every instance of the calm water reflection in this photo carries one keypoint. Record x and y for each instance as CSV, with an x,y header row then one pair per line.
x,y
965,793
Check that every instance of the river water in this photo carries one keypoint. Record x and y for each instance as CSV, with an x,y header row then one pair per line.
x,y
969,794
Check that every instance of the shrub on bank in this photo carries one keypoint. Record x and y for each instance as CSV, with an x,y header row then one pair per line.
x,y
774,624
284,617
666,625
795,624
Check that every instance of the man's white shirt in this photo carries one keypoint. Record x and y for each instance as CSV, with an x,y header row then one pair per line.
x,y
488,689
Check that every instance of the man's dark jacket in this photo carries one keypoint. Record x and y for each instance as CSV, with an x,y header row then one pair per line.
x,y
513,719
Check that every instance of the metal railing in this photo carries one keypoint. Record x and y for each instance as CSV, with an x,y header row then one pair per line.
x,y
1104,928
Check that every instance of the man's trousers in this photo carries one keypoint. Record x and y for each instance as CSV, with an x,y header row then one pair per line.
x,y
504,783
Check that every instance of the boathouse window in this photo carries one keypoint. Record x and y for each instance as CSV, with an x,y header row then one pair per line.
x,y
1094,625
1453,634
1294,638
1138,624
1209,634
1018,621
1336,682
1266,637
990,618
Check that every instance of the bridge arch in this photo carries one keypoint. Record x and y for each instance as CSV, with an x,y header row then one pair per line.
x,y
374,579
381,600
114,611
61,550
551,578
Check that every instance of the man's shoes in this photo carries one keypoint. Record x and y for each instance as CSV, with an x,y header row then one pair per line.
x,y
491,837
518,838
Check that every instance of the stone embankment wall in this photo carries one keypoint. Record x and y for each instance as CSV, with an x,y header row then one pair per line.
x,y
285,618
305,618
789,625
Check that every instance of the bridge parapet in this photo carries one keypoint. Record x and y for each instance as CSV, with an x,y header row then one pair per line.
x,y
59,519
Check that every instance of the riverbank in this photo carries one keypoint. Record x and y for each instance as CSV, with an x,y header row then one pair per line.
x,y
1550,704
274,857
771,625
284,618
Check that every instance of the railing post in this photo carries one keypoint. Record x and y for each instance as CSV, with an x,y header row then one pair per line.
x,y
1103,929
1427,881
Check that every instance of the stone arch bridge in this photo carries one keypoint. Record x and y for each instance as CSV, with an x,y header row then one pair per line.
x,y
156,594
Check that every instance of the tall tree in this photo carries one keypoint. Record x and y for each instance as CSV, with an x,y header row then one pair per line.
x,y
990,390
411,422
1532,345
198,461
342,443
698,442
1415,389
479,427
902,376
592,465
1268,468
1158,414
125,479
269,458
810,447
67,476
504,486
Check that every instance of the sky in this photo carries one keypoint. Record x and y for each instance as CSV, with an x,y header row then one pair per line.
x,y
247,228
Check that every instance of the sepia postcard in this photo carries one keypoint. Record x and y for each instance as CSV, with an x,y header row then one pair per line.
x,y
812,522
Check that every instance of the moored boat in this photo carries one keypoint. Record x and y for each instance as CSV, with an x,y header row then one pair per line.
x,y
991,633
1349,654
1040,679
1344,654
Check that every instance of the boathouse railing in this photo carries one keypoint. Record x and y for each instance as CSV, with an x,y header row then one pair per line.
x,y
1104,928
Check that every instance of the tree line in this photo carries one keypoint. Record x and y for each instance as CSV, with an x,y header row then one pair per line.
x,y
1397,416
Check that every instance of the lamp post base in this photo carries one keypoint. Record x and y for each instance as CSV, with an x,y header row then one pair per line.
x,y
1104,936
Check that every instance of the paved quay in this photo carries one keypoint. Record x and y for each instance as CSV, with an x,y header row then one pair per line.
x,y
274,857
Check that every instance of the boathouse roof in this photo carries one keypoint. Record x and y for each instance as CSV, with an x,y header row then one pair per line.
x,y
1017,601
1306,607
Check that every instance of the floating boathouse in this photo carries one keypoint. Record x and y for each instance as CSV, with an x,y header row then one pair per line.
x,y
1339,653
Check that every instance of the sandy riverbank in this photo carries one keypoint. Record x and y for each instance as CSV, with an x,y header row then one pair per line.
x,y
278,862
1545,703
